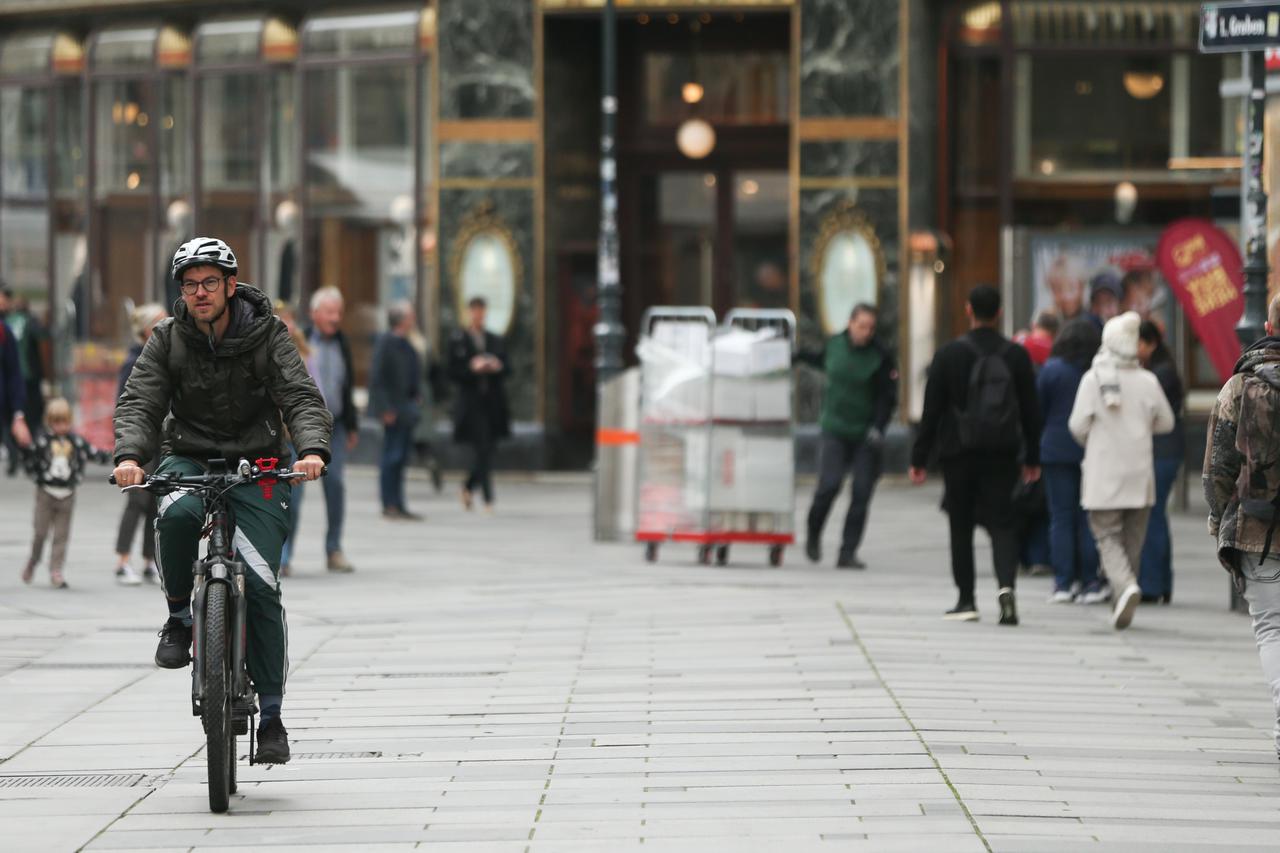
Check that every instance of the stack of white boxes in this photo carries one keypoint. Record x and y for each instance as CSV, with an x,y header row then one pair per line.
x,y
748,453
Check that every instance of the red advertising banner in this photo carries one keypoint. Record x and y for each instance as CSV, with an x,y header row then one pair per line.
x,y
1202,265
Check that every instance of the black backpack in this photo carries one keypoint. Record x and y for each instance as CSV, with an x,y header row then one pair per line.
x,y
991,419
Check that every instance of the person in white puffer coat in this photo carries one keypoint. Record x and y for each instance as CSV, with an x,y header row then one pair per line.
x,y
1118,408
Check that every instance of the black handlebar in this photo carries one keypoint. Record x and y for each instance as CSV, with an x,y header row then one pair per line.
x,y
230,478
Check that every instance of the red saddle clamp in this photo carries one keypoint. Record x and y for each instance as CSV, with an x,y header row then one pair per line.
x,y
267,484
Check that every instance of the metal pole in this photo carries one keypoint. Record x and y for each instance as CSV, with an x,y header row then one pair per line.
x,y
1254,212
609,333
608,330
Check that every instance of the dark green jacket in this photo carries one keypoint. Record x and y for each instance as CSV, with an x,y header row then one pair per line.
x,y
861,388
223,400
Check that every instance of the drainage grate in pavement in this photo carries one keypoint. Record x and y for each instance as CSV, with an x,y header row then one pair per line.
x,y
430,674
74,780
319,756
89,665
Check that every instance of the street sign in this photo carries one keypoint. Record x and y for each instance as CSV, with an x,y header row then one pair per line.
x,y
1235,27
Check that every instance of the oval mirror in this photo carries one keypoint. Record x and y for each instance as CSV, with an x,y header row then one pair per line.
x,y
489,268
848,273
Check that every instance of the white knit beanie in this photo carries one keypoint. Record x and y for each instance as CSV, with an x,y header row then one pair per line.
x,y
1120,335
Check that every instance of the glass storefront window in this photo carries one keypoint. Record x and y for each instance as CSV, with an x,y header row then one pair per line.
x,y
27,53
230,134
124,49
359,167
229,41
392,31
749,87
125,157
24,211
23,115
284,225
71,320
1097,113
1093,114
760,218
123,266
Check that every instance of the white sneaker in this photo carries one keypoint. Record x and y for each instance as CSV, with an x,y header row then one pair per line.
x,y
1128,603
1062,596
1097,596
126,576
149,573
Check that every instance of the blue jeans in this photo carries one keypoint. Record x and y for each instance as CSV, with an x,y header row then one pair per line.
x,y
1156,575
1072,551
396,442
335,498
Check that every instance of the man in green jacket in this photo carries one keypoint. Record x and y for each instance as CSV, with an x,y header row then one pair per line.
x,y
861,392
215,382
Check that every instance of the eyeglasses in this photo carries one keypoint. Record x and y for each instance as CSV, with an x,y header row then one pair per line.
x,y
209,284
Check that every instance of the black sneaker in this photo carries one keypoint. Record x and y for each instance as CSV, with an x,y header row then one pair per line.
x,y
273,743
849,561
964,611
174,650
1008,607
813,549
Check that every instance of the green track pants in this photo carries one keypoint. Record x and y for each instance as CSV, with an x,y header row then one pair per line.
x,y
260,530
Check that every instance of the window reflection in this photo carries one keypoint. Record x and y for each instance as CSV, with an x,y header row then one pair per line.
x,y
747,87
359,176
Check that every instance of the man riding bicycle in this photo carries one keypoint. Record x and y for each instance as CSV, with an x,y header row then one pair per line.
x,y
215,382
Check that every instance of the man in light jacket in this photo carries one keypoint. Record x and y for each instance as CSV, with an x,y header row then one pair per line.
x,y
1118,408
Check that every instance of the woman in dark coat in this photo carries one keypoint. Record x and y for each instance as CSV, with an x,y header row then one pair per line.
x,y
478,367
1072,551
1156,574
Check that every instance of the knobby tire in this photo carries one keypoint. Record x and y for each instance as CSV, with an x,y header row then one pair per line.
x,y
219,734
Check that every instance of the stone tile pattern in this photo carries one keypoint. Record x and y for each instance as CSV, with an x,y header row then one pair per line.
x,y
500,684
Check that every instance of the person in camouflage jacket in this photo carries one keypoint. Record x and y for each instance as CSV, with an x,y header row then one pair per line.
x,y
1242,486
218,381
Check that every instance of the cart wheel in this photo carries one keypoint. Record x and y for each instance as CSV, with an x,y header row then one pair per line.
x,y
704,555
651,552
722,555
775,556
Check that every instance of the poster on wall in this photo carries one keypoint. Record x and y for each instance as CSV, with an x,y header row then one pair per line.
x,y
1118,272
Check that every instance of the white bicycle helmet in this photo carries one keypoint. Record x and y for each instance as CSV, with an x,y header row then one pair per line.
x,y
204,251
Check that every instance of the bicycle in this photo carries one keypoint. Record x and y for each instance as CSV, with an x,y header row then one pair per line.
x,y
221,695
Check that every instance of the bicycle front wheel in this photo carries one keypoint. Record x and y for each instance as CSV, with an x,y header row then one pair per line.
x,y
216,705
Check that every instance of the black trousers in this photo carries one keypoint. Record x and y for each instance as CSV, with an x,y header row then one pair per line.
x,y
979,491
482,447
140,506
836,456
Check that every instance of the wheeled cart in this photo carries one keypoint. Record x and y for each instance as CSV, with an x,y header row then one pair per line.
x,y
716,460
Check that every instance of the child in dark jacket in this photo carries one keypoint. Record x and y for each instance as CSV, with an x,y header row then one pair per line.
x,y
56,461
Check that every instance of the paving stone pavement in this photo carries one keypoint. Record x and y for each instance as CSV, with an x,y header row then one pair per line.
x,y
501,685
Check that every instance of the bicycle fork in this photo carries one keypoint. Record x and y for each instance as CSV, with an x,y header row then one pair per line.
x,y
231,575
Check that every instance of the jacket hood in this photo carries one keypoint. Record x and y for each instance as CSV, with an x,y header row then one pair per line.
x,y
1263,351
252,319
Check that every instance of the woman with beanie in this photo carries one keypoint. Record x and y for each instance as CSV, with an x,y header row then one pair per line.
x,y
1072,553
140,505
1118,408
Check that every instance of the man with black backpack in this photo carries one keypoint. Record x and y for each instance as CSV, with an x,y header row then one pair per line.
x,y
981,421
1242,486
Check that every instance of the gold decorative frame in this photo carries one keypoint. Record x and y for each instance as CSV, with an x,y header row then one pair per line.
x,y
482,220
844,218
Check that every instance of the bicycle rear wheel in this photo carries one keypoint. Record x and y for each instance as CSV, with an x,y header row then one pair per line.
x,y
216,705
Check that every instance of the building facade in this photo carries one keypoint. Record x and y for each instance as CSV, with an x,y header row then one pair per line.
x,y
859,151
